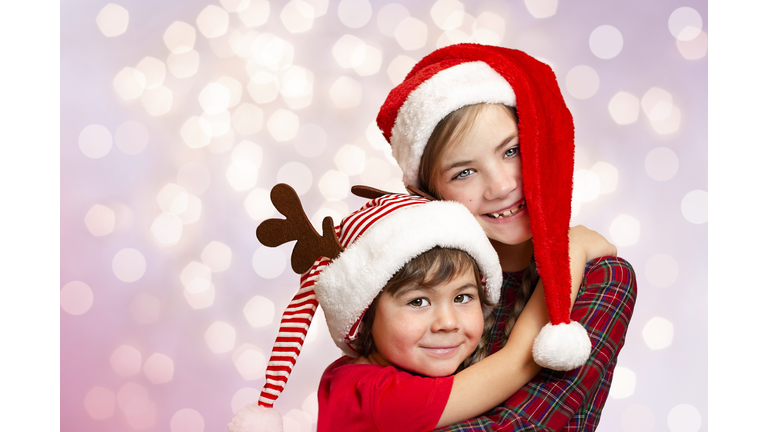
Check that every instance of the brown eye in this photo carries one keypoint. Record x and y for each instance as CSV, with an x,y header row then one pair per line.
x,y
419,302
462,298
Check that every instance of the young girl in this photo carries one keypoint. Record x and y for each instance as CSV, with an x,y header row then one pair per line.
x,y
487,127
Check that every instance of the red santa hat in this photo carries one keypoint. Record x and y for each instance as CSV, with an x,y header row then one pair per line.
x,y
377,241
467,74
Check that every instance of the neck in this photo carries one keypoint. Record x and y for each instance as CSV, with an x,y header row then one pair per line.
x,y
514,257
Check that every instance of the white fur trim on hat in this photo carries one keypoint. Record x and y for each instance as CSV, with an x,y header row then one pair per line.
x,y
352,281
256,418
448,90
562,347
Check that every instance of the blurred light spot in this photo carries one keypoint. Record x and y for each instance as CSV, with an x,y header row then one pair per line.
x,y
129,265
296,174
452,37
606,42
268,263
196,277
320,7
95,141
133,399
263,87
194,177
157,101
668,124
243,397
625,230
310,140
661,164
242,174
695,48
100,403
100,220
179,37
235,89
217,256
447,14
213,21
187,420
346,93
575,206
623,385
131,137
354,13
489,22
390,16
541,8
657,103
396,185
296,87
256,14
661,270
219,123
234,6
624,108
123,215
192,211
258,205
153,71
222,143
214,98
376,173
202,299
317,223
271,51
694,206
310,406
173,198
399,68
411,34
658,333
334,185
297,16
375,137
608,175
76,298
637,418
126,361
260,311
158,368
167,229
129,83
184,65
684,418
350,160
220,337
684,23
112,20
582,82
145,308
586,185
196,132
222,45
349,51
250,362
247,119
318,321
371,61
297,421
283,125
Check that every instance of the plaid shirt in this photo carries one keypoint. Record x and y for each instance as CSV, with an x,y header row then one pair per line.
x,y
572,400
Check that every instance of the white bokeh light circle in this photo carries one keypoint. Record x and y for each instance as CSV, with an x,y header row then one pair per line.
x,y
255,13
157,101
354,13
311,140
447,14
212,21
348,51
217,256
250,362
99,403
194,177
399,68
131,137
297,421
250,151
220,123
390,16
695,48
694,206
242,174
637,418
541,8
661,270
196,277
167,228
376,138
145,308
179,37
684,418
220,337
235,5
112,20
606,42
661,164
153,70
670,123
684,23
263,87
283,125
243,397
582,82
95,141
657,103
350,159
247,119
158,368
489,25
624,382
346,93
411,34
187,420
235,89
258,205
297,175
100,220
658,333
201,300
269,263
586,185
334,185
377,172
625,230
214,98
310,405
608,175
126,361
129,265
371,62
196,132
129,83
320,7
624,108
133,399
259,311
76,298
297,16
183,65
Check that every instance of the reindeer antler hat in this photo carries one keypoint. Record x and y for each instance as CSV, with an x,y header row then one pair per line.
x,y
346,268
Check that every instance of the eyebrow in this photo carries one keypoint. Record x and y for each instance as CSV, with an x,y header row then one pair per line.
x,y
497,149
417,287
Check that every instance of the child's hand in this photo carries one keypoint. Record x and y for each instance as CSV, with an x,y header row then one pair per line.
x,y
584,246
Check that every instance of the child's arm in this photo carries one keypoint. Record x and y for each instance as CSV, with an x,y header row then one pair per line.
x,y
584,246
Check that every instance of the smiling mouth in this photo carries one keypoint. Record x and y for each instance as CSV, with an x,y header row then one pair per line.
x,y
508,213
442,351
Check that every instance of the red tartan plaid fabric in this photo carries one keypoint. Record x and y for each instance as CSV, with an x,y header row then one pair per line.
x,y
573,400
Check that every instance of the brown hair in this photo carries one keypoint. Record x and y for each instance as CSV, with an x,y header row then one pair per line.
x,y
432,268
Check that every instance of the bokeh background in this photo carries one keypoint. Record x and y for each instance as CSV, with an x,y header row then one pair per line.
x,y
177,117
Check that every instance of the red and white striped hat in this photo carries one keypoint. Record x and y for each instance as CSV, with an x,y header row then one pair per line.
x,y
378,240
466,74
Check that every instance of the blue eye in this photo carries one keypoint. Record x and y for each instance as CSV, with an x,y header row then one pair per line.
x,y
464,174
512,152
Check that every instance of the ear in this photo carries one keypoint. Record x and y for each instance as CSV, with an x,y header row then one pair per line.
x,y
368,192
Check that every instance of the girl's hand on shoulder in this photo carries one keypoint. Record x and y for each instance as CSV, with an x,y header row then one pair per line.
x,y
589,244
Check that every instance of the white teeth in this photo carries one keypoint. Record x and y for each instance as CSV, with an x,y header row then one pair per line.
x,y
507,212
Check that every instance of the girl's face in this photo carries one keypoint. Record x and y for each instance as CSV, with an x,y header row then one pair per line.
x,y
429,331
482,171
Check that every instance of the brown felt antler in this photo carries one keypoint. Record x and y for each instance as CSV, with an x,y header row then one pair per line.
x,y
309,244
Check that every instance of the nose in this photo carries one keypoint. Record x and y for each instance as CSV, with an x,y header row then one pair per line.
x,y
500,182
445,319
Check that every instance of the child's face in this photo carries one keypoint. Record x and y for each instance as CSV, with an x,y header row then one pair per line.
x,y
429,331
483,172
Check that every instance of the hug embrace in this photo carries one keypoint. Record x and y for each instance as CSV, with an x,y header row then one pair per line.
x,y
468,304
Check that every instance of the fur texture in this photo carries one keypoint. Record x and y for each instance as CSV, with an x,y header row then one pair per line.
x,y
256,418
562,347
